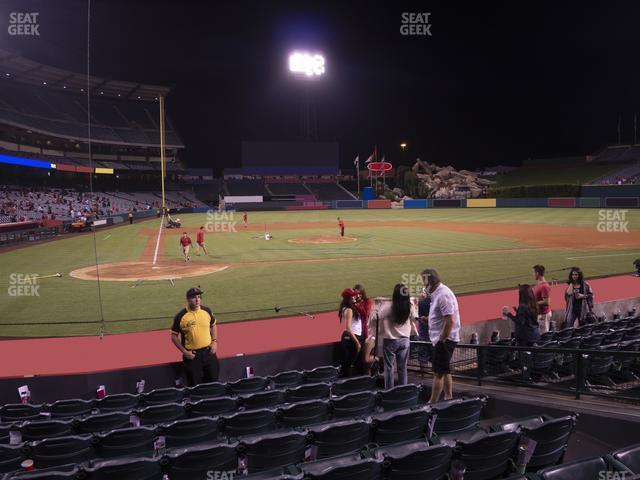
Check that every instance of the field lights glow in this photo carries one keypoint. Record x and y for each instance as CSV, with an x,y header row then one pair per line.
x,y
308,64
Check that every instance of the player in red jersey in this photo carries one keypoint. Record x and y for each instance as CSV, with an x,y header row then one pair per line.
x,y
185,242
341,226
200,242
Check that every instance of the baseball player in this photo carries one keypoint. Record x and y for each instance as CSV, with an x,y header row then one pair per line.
x,y
341,226
185,242
200,242
245,219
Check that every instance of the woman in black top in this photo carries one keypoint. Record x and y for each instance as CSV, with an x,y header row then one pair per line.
x,y
526,317
578,297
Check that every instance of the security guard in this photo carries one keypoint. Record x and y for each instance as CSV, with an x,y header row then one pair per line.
x,y
195,334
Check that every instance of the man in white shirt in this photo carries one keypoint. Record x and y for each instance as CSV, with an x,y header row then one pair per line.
x,y
444,333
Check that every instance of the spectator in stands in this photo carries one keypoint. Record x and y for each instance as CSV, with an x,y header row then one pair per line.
x,y
444,332
351,340
542,291
363,305
578,299
526,317
425,351
195,334
394,322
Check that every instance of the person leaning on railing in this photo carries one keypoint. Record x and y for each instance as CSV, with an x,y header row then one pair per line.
x,y
525,318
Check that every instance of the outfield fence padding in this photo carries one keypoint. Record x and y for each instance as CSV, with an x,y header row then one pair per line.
x,y
563,202
481,203
419,203
348,204
446,203
628,202
521,202
380,204
589,202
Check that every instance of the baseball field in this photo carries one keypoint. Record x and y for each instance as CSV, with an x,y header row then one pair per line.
x,y
302,268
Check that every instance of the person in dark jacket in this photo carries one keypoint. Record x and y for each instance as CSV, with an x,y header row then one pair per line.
x,y
526,317
578,299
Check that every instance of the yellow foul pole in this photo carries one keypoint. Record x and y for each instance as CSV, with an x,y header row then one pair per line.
x,y
163,169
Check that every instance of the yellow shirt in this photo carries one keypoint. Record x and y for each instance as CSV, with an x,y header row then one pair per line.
x,y
194,327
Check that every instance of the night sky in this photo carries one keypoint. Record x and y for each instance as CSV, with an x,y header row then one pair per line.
x,y
496,83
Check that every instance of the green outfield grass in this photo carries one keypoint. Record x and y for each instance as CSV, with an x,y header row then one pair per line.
x,y
251,290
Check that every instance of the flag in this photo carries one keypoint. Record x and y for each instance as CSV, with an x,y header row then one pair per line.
x,y
382,158
369,160
356,162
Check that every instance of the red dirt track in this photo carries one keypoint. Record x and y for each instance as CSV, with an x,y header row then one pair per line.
x,y
69,355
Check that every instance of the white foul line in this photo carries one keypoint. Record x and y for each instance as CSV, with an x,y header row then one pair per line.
x,y
155,254
601,256
106,237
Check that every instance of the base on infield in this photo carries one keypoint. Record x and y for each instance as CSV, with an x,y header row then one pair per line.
x,y
130,271
323,239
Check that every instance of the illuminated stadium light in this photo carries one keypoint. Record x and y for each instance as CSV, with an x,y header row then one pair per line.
x,y
307,64
44,83
7,74
403,145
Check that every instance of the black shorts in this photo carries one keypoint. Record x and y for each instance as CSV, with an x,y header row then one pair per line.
x,y
442,353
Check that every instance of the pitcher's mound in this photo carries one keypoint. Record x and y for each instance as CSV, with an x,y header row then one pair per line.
x,y
323,239
130,271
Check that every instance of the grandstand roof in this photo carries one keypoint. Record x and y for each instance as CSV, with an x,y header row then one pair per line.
x,y
27,71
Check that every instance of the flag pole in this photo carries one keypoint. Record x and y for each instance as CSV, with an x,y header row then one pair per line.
x,y
358,171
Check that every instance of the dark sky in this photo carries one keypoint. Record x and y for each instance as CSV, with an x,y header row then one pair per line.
x,y
497,82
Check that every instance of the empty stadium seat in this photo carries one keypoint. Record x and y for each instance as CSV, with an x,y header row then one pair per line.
x,y
353,385
629,457
124,469
550,434
586,469
102,422
598,366
312,391
304,413
70,408
322,374
458,418
212,406
54,473
117,402
267,399
17,412
248,385
399,426
563,335
339,438
194,462
189,431
125,441
487,456
591,342
402,396
582,330
249,422
39,430
53,452
353,405
631,334
162,395
207,390
613,338
292,378
415,461
350,467
4,433
161,413
11,456
273,450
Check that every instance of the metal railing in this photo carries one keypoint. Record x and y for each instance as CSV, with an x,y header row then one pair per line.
x,y
44,233
610,373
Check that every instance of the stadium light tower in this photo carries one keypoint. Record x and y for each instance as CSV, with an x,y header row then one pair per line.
x,y
307,66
